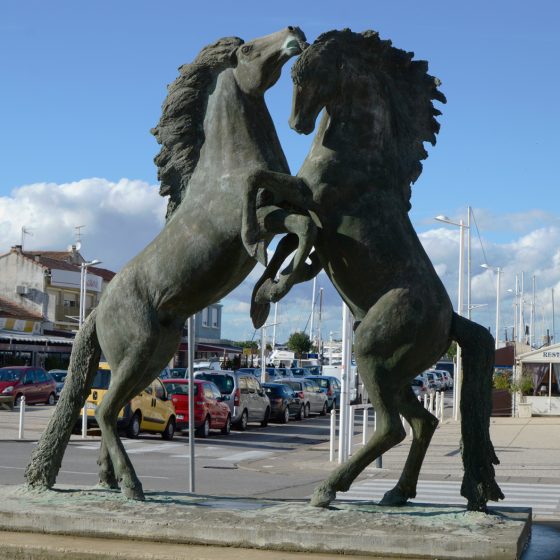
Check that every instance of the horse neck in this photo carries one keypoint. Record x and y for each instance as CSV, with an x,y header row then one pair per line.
x,y
359,130
239,131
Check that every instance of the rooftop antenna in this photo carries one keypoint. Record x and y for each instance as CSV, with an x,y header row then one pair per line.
x,y
25,231
78,237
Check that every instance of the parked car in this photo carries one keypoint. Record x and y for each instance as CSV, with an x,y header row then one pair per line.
x,y
59,375
248,401
314,370
431,382
284,403
331,386
33,383
210,410
313,397
150,411
300,372
448,379
272,374
419,386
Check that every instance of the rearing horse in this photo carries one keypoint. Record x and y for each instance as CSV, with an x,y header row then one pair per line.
x,y
217,139
378,111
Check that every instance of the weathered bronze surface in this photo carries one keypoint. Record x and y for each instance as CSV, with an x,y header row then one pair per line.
x,y
378,112
217,139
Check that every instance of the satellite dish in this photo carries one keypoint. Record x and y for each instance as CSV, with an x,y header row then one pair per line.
x,y
78,245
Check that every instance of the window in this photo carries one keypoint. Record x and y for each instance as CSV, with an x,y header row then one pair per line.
x,y
252,384
160,391
216,392
214,311
205,317
41,375
243,388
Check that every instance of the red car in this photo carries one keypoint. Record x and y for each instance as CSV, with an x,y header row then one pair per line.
x,y
34,383
210,411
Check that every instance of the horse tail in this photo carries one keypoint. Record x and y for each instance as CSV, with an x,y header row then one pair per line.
x,y
477,345
46,459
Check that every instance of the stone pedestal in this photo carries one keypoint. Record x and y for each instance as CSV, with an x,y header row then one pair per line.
x,y
419,531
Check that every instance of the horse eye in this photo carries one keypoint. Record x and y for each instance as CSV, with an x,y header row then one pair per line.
x,y
246,49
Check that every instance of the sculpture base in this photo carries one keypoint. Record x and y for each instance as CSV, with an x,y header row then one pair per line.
x,y
415,531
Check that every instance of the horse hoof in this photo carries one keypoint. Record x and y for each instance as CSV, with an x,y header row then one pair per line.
x,y
394,497
322,497
135,493
108,485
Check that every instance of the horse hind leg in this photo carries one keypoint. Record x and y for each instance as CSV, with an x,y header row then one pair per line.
x,y
479,482
390,432
423,425
106,471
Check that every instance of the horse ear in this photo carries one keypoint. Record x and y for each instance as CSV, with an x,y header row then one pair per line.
x,y
233,57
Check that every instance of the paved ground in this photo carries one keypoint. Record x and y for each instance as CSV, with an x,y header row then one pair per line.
x,y
529,450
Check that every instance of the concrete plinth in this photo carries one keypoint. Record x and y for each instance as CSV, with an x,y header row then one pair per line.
x,y
427,531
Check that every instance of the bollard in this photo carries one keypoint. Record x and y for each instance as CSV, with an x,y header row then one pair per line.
x,y
431,403
21,416
438,394
84,421
442,405
364,426
350,430
426,401
333,435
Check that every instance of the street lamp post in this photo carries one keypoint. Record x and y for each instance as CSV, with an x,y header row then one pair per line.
x,y
83,286
457,382
498,272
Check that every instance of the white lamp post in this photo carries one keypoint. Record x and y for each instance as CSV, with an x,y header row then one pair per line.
x,y
83,286
458,377
498,272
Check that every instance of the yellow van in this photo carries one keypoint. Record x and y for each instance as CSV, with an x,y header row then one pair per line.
x,y
150,411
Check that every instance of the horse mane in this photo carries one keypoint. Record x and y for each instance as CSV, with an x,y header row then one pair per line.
x,y
407,82
180,129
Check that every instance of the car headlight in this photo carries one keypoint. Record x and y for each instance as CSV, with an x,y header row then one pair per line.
x,y
8,390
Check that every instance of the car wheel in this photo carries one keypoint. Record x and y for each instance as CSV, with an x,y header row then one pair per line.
x,y
301,413
324,409
133,429
307,411
18,400
169,431
204,430
51,400
227,428
285,416
242,424
264,422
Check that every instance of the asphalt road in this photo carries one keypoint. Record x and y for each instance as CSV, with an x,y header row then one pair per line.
x,y
164,466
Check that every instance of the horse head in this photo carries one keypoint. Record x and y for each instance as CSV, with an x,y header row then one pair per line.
x,y
258,63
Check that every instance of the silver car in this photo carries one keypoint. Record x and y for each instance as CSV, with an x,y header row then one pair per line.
x,y
313,397
248,401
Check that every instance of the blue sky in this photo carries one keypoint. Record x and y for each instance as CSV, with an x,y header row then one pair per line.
x,y
83,84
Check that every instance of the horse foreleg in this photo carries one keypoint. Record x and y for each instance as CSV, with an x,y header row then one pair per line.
x,y
107,478
277,220
285,189
423,425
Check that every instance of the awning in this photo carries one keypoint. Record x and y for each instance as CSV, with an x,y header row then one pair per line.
x,y
13,336
207,347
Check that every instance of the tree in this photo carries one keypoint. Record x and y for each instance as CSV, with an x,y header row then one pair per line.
x,y
300,343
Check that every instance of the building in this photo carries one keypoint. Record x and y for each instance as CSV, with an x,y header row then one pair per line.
x,y
40,307
40,304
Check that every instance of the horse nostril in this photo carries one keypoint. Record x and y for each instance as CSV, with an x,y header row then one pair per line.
x,y
290,28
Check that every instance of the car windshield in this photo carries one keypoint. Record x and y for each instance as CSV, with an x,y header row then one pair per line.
x,y
295,385
10,374
224,382
102,379
178,372
180,388
59,376
323,383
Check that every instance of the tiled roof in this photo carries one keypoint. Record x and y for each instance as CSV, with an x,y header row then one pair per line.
x,y
10,310
65,260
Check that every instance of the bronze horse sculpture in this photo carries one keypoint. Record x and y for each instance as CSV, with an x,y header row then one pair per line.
x,y
378,112
217,138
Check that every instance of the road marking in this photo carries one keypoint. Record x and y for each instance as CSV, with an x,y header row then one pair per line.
x,y
543,498
244,455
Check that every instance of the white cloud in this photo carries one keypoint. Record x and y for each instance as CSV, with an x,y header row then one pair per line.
x,y
119,218
122,217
